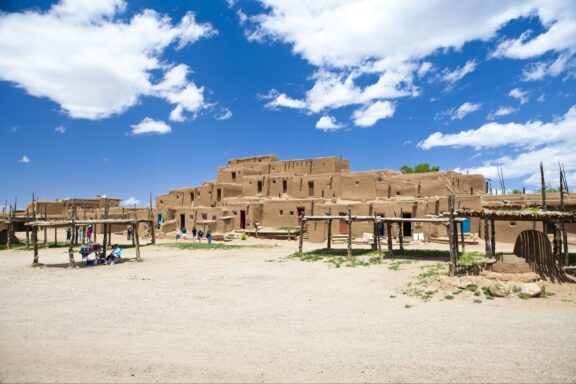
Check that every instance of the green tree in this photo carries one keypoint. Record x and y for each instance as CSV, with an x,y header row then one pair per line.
x,y
516,191
419,168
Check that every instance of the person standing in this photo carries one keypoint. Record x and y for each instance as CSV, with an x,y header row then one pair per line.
x,y
89,234
200,234
194,234
129,232
209,236
80,235
177,234
184,232
68,234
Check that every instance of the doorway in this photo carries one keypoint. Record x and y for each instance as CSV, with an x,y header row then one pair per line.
x,y
406,225
300,211
182,221
343,224
242,219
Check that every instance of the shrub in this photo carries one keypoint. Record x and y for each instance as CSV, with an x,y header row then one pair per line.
x,y
243,236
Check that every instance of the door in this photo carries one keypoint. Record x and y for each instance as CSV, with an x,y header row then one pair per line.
x,y
300,211
182,221
466,225
242,219
406,225
343,225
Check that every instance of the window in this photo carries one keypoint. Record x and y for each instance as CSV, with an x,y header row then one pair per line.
x,y
512,223
233,176
259,186
310,188
192,196
281,212
357,183
284,186
218,194
213,217
204,216
161,201
291,213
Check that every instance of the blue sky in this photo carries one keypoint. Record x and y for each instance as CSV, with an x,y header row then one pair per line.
x,y
125,98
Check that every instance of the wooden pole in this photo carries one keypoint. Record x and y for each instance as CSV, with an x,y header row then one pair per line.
x,y
349,252
55,236
401,236
152,225
71,262
45,227
451,233
462,237
492,238
84,229
105,229
329,229
556,244
301,239
564,244
487,238
389,234
35,231
9,240
94,230
27,229
379,243
137,240
544,229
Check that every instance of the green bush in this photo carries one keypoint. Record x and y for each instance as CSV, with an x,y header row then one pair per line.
x,y
243,236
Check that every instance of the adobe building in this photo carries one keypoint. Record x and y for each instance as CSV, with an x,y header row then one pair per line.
x,y
264,191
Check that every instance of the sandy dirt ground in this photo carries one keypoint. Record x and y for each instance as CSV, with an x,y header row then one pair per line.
x,y
252,315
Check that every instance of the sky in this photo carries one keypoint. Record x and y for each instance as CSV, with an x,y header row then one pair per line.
x,y
127,98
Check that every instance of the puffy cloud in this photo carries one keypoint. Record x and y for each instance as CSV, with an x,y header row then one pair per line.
x,y
282,100
130,202
328,123
224,114
368,115
60,129
552,68
519,94
150,126
535,141
344,41
82,55
24,159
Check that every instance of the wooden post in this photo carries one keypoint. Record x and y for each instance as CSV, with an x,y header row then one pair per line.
x,y
152,225
545,230
329,229
71,262
27,229
389,234
556,244
374,245
401,236
104,229
9,240
487,238
94,231
462,236
45,227
379,243
565,258
492,238
35,231
55,236
349,252
451,233
301,239
137,240
84,229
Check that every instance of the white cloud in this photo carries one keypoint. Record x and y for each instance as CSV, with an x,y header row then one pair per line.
x,y
457,74
60,129
224,114
150,126
282,100
130,202
389,40
368,115
541,69
519,94
534,141
84,56
24,159
328,123
502,111
464,110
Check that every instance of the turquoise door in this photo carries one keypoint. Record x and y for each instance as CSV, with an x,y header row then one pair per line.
x,y
466,225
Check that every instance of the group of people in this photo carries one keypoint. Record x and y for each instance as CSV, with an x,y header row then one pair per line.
x,y
196,234
80,234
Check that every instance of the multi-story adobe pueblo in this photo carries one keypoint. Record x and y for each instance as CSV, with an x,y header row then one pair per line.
x,y
263,191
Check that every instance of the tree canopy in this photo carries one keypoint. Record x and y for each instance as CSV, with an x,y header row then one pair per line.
x,y
419,168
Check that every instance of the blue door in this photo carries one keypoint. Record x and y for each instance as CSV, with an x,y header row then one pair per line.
x,y
466,225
